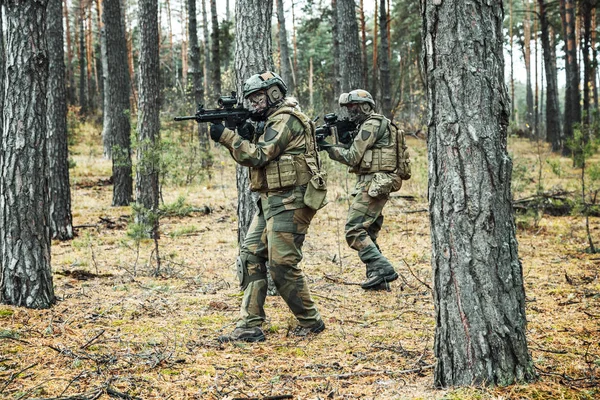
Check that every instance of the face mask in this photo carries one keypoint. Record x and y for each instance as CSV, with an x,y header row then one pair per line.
x,y
258,102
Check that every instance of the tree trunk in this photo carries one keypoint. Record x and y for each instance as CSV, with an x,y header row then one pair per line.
x,y
594,57
253,54
529,118
553,134
197,72
512,64
311,102
536,109
82,62
70,73
335,29
374,79
208,90
586,7
384,62
60,217
363,45
350,66
572,97
479,295
117,113
284,52
215,66
148,154
184,43
25,271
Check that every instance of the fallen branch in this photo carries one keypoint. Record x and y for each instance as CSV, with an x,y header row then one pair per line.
x,y
361,374
89,342
339,280
14,375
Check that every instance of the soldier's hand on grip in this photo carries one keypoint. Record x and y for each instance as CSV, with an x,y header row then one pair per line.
x,y
216,130
246,131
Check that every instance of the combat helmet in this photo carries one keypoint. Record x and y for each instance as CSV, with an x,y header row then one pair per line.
x,y
268,81
361,98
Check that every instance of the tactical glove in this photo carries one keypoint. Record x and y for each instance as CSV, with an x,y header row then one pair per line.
x,y
216,130
246,131
322,144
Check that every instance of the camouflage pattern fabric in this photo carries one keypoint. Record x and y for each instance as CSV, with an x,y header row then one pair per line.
x,y
277,231
365,217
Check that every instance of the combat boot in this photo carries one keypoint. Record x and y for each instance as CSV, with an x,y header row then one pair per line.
x,y
304,331
254,334
379,269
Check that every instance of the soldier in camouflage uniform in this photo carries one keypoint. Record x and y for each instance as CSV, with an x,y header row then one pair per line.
x,y
282,156
374,156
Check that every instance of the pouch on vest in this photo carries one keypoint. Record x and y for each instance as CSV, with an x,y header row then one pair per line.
x,y
258,180
281,174
403,169
315,196
383,184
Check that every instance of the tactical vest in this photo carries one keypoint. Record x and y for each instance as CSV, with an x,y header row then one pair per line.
x,y
289,170
386,157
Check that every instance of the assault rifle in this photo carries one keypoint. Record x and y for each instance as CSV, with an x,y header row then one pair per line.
x,y
340,129
229,111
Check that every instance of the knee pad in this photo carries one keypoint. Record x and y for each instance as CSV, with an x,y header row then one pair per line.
x,y
244,276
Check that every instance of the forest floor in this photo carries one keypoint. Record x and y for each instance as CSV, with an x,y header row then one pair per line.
x,y
125,328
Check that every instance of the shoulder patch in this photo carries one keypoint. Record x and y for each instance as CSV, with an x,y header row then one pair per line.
x,y
364,134
270,134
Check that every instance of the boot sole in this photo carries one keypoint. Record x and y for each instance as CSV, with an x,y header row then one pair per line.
x,y
386,278
248,340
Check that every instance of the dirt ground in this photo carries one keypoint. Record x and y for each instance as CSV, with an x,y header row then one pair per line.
x,y
125,328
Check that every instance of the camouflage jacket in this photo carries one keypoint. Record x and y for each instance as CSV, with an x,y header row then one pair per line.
x,y
366,138
283,134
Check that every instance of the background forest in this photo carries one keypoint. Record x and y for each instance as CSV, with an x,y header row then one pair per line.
x,y
143,215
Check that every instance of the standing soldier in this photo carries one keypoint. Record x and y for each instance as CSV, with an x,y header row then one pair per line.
x,y
378,156
283,157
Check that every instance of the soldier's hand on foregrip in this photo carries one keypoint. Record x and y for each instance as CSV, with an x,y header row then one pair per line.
x,y
322,143
216,130
246,131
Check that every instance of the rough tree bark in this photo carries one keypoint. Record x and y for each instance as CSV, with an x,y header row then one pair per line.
x,y
196,72
60,217
479,295
384,62
586,7
253,55
215,66
335,29
351,70
147,187
83,92
572,96
286,67
206,62
553,126
529,117
25,271
70,73
117,90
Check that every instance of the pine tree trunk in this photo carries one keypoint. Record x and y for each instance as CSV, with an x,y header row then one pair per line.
x,y
586,15
350,65
147,171
335,32
479,295
572,97
363,45
197,72
60,217
70,73
553,134
594,57
117,113
286,68
82,62
25,270
208,90
384,62
253,55
374,79
215,66
529,118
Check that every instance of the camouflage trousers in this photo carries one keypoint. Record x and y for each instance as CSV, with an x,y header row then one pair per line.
x,y
277,240
365,219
